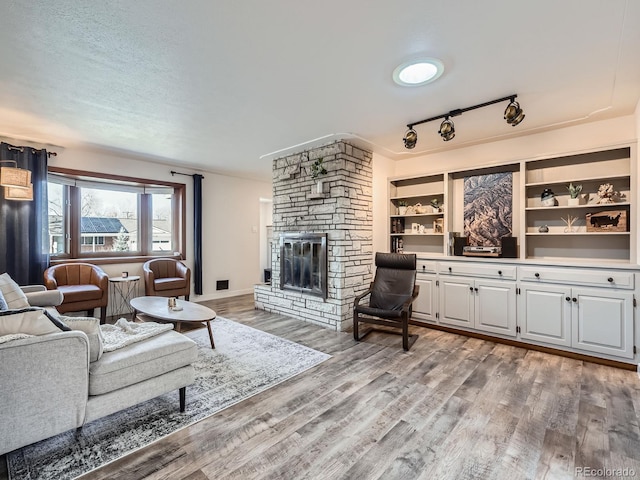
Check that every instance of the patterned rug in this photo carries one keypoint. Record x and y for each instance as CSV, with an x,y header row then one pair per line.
x,y
245,362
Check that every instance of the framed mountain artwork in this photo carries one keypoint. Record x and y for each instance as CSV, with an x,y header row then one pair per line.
x,y
488,208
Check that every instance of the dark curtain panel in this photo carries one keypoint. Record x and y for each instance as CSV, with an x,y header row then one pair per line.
x,y
24,242
197,233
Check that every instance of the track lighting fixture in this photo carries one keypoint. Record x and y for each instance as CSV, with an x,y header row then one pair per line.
x,y
513,114
447,130
410,139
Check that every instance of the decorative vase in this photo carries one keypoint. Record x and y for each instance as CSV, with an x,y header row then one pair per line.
x,y
548,198
319,187
543,229
572,202
402,210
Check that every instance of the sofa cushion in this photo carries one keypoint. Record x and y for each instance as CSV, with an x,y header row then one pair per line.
x,y
32,321
141,361
80,293
169,283
12,293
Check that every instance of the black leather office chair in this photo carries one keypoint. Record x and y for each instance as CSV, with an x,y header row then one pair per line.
x,y
391,294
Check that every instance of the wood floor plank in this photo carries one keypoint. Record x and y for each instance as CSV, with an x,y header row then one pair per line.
x,y
452,407
557,458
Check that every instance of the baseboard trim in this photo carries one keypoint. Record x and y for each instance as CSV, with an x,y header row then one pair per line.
x,y
531,346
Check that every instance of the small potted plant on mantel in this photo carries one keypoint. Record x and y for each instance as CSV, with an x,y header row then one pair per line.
x,y
402,207
574,193
317,170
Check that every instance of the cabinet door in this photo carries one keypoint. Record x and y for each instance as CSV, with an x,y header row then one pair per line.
x,y
545,314
425,306
495,307
602,321
456,301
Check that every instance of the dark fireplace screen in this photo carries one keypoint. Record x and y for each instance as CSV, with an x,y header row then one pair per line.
x,y
303,263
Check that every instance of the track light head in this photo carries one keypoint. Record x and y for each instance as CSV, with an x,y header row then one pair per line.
x,y
513,113
410,139
447,130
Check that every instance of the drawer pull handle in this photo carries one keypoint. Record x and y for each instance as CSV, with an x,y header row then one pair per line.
x,y
568,299
449,269
537,275
610,280
499,272
471,289
423,268
476,289
575,299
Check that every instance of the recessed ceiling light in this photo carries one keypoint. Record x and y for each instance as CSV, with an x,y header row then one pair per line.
x,y
418,72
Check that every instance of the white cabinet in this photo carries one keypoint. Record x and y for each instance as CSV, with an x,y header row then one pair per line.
x,y
589,319
495,307
456,301
426,305
545,314
481,304
602,321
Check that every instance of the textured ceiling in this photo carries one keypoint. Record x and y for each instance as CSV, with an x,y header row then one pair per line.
x,y
220,84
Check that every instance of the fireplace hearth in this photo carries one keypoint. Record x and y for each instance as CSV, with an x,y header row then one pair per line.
x,y
303,263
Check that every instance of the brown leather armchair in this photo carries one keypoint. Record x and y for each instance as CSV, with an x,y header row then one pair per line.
x,y
166,277
85,287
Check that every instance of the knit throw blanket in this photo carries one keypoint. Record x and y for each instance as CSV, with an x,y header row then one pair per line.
x,y
124,333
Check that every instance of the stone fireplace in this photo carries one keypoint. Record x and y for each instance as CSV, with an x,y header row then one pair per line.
x,y
303,218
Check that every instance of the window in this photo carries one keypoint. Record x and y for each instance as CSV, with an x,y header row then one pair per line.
x,y
104,216
91,240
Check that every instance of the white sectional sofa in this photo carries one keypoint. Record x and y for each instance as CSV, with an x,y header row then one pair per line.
x,y
62,380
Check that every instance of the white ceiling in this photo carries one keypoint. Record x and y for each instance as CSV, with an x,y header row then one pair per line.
x,y
220,84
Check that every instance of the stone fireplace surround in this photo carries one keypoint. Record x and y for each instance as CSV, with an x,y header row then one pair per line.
x,y
343,211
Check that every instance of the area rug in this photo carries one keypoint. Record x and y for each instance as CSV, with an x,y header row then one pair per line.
x,y
245,362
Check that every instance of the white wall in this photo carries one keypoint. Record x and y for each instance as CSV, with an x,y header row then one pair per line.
x,y
383,168
231,208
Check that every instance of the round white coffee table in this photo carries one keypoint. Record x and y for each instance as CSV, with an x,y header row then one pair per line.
x,y
158,308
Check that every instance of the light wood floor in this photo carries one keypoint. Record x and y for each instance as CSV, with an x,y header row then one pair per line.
x,y
451,408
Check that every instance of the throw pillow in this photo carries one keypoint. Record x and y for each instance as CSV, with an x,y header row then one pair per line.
x,y
12,293
32,321
90,326
3,302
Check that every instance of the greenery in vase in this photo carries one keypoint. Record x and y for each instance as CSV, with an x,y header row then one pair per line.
x,y
402,203
574,190
317,169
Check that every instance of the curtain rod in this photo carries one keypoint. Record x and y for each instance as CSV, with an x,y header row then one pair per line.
x,y
173,172
33,150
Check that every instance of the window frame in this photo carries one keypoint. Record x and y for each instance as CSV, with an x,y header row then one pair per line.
x,y
72,212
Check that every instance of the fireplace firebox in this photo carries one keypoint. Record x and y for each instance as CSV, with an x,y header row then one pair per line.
x,y
303,263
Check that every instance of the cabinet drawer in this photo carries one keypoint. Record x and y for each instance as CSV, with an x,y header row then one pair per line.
x,y
578,276
426,266
505,272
